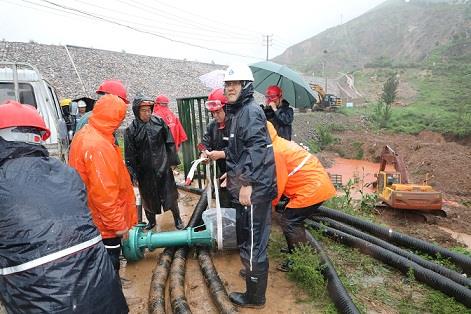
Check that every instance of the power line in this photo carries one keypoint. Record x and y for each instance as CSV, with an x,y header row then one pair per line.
x,y
181,21
168,32
143,31
218,22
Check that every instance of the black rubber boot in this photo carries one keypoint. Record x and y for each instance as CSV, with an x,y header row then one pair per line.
x,y
151,220
255,295
178,220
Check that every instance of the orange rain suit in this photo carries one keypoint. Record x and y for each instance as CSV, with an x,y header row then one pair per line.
x,y
309,185
98,160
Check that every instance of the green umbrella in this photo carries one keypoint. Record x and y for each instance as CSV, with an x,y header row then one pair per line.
x,y
295,90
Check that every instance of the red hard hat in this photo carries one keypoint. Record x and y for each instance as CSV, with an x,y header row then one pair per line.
x,y
162,99
14,114
113,87
273,91
218,94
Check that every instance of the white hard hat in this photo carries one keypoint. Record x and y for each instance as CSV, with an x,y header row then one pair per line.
x,y
81,104
238,72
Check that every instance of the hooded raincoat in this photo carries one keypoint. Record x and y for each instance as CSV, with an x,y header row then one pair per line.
x,y
173,123
299,175
52,259
250,161
98,160
150,153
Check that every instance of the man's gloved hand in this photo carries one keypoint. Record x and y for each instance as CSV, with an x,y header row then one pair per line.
x,y
282,203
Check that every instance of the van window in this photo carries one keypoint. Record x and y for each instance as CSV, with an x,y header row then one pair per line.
x,y
26,93
55,102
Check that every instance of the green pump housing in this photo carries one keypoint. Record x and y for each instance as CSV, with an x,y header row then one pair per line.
x,y
139,239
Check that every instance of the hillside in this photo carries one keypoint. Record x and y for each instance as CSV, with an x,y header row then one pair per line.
x,y
395,32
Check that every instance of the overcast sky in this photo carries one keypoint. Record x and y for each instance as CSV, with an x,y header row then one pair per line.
x,y
232,31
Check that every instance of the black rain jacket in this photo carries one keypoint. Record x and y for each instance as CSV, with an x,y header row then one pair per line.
x,y
282,119
150,152
43,210
249,158
218,139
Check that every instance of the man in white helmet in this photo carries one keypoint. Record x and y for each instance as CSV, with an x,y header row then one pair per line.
x,y
251,182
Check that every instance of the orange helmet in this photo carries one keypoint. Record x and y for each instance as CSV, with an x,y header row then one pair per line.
x,y
113,87
216,100
13,114
162,99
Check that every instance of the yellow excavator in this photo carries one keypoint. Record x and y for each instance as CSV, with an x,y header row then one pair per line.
x,y
394,189
325,102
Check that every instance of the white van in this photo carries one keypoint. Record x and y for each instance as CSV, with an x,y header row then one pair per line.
x,y
23,82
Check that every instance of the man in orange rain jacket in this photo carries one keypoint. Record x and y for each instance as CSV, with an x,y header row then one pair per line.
x,y
98,160
304,185
162,110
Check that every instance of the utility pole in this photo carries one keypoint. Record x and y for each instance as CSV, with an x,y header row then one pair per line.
x,y
267,41
323,69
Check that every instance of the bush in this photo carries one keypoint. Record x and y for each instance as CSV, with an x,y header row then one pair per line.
x,y
306,271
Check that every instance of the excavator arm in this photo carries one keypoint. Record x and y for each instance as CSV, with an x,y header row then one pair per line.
x,y
389,156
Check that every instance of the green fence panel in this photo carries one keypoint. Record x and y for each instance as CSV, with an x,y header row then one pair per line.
x,y
194,118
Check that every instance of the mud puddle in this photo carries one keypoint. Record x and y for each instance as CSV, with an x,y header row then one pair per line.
x,y
462,238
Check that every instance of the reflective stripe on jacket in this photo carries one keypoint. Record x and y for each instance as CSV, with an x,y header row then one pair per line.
x,y
309,185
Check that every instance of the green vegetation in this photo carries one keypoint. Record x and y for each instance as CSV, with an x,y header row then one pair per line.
x,y
372,285
443,102
324,138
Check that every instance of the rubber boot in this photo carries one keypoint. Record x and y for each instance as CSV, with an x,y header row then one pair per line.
x,y
151,220
178,220
254,297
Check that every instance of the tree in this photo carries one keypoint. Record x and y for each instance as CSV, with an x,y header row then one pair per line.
x,y
382,113
390,90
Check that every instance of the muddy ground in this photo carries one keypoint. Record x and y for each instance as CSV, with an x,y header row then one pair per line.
x,y
282,295
448,163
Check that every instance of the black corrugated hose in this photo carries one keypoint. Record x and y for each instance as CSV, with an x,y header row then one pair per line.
x,y
389,235
189,188
177,282
337,292
156,303
422,274
177,272
214,283
442,270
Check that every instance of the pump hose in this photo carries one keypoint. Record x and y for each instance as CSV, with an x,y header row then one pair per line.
x,y
337,292
453,275
177,271
215,285
422,274
177,282
189,188
389,235
156,303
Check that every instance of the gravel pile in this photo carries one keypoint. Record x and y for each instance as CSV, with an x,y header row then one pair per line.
x,y
140,74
